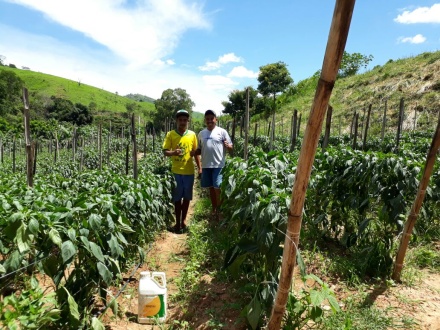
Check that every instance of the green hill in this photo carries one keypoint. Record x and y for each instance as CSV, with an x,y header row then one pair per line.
x,y
41,85
415,79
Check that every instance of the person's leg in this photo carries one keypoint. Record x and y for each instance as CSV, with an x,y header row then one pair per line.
x,y
188,184
185,206
213,196
217,181
177,200
207,175
178,209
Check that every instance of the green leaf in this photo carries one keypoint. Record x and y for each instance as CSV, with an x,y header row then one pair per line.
x,y
124,227
33,226
54,235
301,264
254,312
18,205
95,221
2,269
96,324
115,249
73,307
22,239
68,251
96,251
105,273
316,298
333,303
72,234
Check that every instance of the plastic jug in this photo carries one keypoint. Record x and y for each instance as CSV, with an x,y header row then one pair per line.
x,y
152,302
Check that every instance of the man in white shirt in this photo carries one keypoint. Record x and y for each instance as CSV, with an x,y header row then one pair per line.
x,y
213,142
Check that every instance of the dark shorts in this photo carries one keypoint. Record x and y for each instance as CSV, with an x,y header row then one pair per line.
x,y
184,187
211,177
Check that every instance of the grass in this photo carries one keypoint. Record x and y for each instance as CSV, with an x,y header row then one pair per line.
x,y
45,85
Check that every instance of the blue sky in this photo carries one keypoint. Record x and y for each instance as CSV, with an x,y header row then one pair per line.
x,y
208,48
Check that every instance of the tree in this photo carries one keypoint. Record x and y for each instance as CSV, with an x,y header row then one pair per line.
x,y
2,60
10,92
351,63
273,79
171,101
237,101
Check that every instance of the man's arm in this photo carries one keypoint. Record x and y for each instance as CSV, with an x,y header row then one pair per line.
x,y
170,153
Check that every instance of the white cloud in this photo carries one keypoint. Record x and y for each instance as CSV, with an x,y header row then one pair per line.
x,y
242,72
222,60
219,82
138,41
420,15
139,34
417,39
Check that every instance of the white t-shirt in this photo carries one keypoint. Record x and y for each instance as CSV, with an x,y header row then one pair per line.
x,y
211,143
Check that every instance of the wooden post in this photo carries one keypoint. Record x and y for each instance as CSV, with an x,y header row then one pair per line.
x,y
272,133
255,133
399,124
293,133
327,127
100,145
1,150
415,209
145,141
363,124
246,126
352,125
241,126
127,157
28,142
384,120
34,167
109,143
367,124
13,154
355,134
233,130
81,156
299,125
333,55
134,154
57,149
154,138
269,126
74,144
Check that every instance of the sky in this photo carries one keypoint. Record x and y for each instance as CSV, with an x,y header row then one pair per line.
x,y
207,47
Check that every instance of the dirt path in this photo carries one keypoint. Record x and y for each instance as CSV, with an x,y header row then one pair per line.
x,y
166,255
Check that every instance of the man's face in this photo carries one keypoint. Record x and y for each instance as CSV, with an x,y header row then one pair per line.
x,y
210,121
182,122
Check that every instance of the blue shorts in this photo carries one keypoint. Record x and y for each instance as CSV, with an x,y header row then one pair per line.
x,y
211,177
184,187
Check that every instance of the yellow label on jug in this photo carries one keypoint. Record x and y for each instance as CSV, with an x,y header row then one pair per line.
x,y
151,306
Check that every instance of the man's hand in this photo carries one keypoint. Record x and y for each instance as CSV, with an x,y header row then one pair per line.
x,y
177,152
192,153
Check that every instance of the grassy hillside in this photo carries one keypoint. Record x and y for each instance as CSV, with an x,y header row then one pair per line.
x,y
46,85
416,79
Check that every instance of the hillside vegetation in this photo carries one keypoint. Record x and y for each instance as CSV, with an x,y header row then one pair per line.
x,y
415,79
41,85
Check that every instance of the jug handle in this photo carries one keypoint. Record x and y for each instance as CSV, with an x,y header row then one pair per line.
x,y
160,275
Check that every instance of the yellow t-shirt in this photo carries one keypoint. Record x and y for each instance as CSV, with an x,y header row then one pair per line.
x,y
182,164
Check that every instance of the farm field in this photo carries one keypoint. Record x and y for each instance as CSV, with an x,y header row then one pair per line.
x,y
73,245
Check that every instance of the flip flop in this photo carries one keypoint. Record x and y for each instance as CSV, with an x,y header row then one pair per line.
x,y
175,229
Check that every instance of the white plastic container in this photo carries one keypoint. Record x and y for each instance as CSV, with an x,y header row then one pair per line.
x,y
152,302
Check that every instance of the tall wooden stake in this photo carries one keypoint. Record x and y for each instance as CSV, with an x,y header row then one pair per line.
x,y
333,55
246,126
367,124
414,213
328,124
400,123
134,154
384,120
28,142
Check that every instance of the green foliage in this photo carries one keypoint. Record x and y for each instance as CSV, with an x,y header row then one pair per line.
x,y
237,102
273,79
168,104
10,92
31,309
352,62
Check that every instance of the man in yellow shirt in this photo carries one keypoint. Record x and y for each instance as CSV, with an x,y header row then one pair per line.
x,y
181,144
